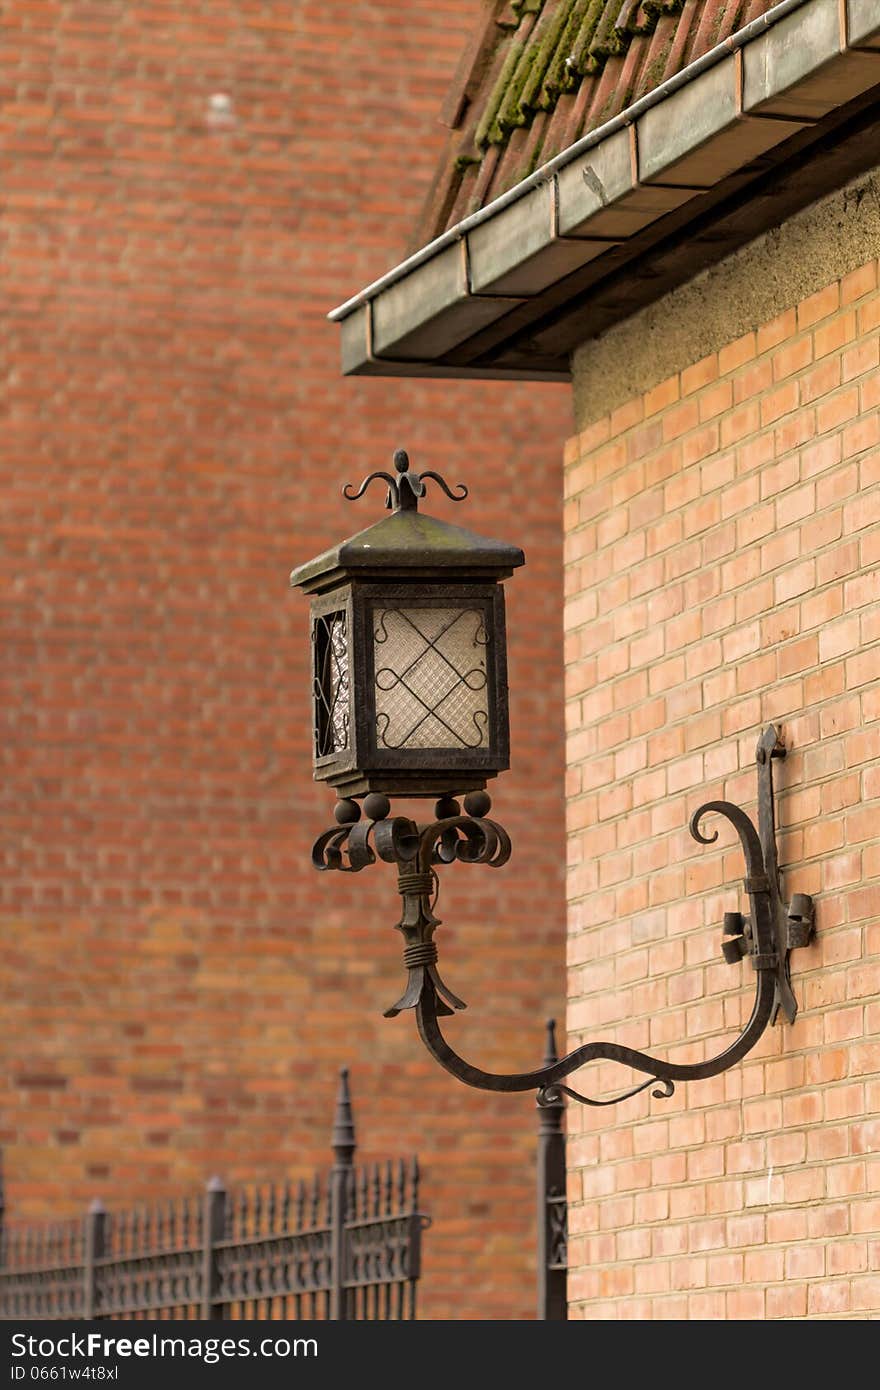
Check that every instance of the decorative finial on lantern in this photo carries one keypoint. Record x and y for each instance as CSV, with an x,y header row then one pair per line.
x,y
405,490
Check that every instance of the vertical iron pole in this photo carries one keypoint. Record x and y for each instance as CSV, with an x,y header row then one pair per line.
x,y
213,1231
552,1279
343,1145
95,1239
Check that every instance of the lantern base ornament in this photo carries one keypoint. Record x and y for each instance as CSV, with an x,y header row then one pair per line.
x,y
766,936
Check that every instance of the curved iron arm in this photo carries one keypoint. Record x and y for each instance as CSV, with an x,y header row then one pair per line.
x,y
546,1079
473,838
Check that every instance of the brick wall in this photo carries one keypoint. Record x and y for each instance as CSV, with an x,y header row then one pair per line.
x,y
722,572
187,190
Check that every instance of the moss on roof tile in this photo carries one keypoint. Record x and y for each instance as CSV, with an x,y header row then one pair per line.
x,y
578,62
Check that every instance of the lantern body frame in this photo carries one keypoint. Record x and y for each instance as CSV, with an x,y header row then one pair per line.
x,y
364,765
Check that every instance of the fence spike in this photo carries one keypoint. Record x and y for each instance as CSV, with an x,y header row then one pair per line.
x,y
242,1215
300,1205
401,1185
364,1192
550,1055
171,1225
258,1211
389,1186
414,1181
343,1141
271,1210
285,1206
316,1199
377,1197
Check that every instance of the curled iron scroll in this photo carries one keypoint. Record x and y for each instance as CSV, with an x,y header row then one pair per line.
x,y
404,490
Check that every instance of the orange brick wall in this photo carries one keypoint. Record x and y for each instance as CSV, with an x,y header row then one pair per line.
x,y
722,572
179,986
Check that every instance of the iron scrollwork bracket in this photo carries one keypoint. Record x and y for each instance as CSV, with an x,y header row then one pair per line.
x,y
766,936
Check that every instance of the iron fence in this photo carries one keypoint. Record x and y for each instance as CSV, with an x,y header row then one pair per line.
x,y
344,1247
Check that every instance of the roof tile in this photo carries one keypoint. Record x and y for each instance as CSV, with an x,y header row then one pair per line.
x,y
539,74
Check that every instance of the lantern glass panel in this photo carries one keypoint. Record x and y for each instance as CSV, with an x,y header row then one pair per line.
x,y
432,688
331,683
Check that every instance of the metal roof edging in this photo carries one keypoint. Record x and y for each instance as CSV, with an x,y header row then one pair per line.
x,y
594,137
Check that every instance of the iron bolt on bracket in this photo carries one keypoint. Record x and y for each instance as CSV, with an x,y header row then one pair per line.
x,y
766,936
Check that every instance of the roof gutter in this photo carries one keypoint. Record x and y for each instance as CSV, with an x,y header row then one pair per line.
x,y
594,137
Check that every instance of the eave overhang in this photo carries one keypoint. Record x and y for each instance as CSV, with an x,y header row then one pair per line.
x,y
779,114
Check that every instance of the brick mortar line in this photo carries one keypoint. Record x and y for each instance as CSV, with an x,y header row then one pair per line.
x,y
713,531
720,526
669,799
762,431
740,770
729,667
729,375
621,436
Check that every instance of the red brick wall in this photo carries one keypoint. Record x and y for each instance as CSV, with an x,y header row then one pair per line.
x,y
180,988
723,571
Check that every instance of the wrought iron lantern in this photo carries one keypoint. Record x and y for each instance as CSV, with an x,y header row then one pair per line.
x,y
409,666
409,675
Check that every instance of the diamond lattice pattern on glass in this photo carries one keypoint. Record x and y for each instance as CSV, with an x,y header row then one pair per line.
x,y
331,684
431,684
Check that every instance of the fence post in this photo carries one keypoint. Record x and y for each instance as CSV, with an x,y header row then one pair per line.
x,y
552,1282
213,1231
95,1238
343,1144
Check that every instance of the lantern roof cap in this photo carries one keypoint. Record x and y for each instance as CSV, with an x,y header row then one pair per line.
x,y
408,544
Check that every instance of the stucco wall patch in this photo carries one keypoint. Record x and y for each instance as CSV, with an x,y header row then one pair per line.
x,y
772,273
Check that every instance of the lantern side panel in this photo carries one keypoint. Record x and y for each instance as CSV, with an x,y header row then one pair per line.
x,y
332,692
431,679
